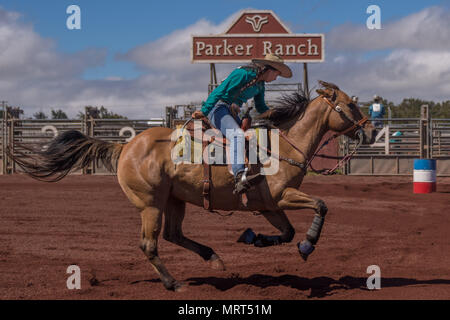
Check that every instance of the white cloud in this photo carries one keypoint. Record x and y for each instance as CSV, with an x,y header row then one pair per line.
x,y
427,29
403,73
35,75
172,52
414,59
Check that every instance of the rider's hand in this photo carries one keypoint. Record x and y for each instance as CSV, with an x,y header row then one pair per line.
x,y
235,110
198,114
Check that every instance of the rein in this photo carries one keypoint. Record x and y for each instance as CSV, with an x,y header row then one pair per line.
x,y
356,125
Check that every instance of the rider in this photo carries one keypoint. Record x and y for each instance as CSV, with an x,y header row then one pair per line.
x,y
223,104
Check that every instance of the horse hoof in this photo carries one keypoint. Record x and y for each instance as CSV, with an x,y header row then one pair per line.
x,y
180,287
216,263
305,248
248,237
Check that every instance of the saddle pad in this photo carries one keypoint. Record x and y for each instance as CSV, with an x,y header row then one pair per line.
x,y
198,144
182,141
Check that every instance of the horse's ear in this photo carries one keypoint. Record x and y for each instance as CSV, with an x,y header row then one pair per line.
x,y
333,98
330,94
328,85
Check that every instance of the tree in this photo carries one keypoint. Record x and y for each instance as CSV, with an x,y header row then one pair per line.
x,y
13,112
441,110
408,108
387,104
59,114
40,115
102,113
80,115
105,114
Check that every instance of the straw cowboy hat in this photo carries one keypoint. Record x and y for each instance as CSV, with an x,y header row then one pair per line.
x,y
275,62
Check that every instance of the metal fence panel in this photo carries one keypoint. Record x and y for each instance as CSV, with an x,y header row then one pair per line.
x,y
398,143
34,132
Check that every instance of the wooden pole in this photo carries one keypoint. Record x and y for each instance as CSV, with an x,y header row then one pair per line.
x,y
425,117
305,80
11,164
212,78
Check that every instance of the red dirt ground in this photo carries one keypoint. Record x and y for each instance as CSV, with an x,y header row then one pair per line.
x,y
89,222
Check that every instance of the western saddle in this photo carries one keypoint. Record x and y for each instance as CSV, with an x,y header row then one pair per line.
x,y
211,139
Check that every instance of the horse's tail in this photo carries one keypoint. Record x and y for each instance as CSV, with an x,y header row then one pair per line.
x,y
69,150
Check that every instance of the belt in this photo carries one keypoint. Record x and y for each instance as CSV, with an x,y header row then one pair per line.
x,y
228,104
225,102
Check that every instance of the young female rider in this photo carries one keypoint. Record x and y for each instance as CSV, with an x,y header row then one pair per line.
x,y
223,105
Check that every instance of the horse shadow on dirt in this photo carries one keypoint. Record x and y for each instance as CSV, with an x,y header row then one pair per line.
x,y
320,286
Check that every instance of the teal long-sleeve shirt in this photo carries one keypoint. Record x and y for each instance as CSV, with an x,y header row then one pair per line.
x,y
228,91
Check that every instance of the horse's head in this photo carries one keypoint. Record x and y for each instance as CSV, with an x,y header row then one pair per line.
x,y
345,117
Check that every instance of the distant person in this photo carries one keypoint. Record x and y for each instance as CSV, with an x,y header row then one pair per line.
x,y
355,100
376,112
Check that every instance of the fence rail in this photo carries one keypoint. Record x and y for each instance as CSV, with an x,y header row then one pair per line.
x,y
398,143
23,132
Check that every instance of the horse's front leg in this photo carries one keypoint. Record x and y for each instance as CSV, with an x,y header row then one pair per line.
x,y
293,199
280,221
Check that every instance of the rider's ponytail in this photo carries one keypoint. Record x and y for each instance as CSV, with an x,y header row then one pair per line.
x,y
259,70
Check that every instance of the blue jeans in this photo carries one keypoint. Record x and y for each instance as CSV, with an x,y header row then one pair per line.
x,y
221,118
377,122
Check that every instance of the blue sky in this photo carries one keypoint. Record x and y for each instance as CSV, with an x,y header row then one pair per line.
x,y
116,37
121,25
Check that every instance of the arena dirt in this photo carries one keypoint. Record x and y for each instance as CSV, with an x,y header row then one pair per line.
x,y
88,221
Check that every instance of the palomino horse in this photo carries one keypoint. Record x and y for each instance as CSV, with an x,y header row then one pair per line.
x,y
156,186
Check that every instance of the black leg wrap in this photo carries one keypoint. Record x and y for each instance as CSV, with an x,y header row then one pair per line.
x,y
313,233
323,209
288,235
248,237
266,241
305,248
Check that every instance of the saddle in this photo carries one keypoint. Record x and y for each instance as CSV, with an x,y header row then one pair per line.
x,y
209,139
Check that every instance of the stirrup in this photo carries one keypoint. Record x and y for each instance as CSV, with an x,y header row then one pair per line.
x,y
244,183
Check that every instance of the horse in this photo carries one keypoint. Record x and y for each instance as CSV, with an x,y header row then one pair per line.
x,y
159,188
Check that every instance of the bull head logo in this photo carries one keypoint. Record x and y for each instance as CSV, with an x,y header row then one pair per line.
x,y
257,22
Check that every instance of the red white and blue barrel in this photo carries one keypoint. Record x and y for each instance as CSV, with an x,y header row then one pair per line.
x,y
424,175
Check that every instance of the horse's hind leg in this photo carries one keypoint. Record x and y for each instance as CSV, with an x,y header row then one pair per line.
x,y
280,221
174,215
151,228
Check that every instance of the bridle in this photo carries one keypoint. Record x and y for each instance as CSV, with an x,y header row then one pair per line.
x,y
356,125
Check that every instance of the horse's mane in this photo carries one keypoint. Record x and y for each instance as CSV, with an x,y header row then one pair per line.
x,y
291,106
286,108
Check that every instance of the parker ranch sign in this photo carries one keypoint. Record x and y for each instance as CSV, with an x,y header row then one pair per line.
x,y
253,35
